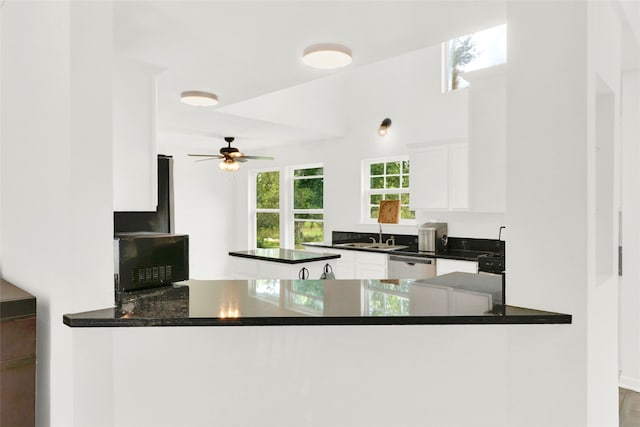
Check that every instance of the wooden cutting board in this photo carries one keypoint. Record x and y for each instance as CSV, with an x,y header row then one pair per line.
x,y
389,212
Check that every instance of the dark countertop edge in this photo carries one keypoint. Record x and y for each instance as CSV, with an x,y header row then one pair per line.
x,y
524,319
15,302
399,252
13,309
319,257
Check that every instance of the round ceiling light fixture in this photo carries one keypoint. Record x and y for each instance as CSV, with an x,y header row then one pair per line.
x,y
327,56
199,98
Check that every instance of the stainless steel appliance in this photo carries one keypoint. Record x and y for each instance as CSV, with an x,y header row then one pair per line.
x,y
410,267
432,237
146,260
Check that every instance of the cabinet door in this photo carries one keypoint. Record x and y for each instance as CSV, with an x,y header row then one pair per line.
x,y
370,265
445,266
135,175
429,177
343,267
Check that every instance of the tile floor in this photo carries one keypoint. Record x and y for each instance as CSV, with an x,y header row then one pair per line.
x,y
629,408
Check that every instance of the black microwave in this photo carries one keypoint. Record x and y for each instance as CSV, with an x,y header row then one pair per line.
x,y
146,260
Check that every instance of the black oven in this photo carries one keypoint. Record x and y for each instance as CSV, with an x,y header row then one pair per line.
x,y
146,260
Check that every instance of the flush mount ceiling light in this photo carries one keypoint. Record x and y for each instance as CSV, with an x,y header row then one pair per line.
x,y
384,126
327,56
198,98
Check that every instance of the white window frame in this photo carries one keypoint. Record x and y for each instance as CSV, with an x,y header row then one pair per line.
x,y
367,191
286,210
290,211
254,207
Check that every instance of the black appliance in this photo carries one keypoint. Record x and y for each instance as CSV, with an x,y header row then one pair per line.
x,y
491,263
160,220
147,260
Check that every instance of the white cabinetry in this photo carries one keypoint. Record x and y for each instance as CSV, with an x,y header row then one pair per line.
x,y
445,266
487,139
439,176
247,268
356,264
135,175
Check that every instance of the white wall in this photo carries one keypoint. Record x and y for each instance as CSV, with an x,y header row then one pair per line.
x,y
629,289
56,229
204,201
551,198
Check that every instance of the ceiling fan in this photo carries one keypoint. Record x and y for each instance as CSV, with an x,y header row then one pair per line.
x,y
231,155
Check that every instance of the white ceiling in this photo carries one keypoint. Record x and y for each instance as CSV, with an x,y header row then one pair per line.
x,y
242,50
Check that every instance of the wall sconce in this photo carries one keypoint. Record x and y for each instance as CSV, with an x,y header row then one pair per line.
x,y
386,123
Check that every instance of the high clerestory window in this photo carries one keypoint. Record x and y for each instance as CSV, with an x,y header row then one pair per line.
x,y
473,52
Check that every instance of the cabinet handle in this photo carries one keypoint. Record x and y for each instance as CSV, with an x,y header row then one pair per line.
x,y
303,274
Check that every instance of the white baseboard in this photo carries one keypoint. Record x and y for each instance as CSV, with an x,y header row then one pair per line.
x,y
629,383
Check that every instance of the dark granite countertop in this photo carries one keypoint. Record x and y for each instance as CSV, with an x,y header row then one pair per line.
x,y
455,298
461,255
285,256
14,302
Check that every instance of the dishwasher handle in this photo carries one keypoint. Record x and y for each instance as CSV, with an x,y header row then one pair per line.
x,y
411,260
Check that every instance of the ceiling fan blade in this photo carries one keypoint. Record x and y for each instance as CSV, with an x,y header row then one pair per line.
x,y
240,159
258,157
210,158
215,156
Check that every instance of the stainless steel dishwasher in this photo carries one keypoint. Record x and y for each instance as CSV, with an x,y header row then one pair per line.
x,y
410,267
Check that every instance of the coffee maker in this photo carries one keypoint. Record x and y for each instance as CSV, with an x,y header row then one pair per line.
x,y
432,237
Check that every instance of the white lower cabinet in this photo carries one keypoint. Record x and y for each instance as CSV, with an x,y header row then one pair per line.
x,y
246,268
370,265
445,266
356,264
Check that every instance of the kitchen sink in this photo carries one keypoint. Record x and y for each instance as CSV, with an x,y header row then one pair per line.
x,y
354,245
369,245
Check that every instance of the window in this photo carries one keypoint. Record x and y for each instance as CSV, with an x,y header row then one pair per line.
x,y
267,217
297,205
387,179
473,52
308,204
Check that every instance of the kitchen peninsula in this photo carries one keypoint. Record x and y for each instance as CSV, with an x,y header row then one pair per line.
x,y
455,298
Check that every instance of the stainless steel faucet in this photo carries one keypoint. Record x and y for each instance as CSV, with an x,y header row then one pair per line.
x,y
392,240
373,239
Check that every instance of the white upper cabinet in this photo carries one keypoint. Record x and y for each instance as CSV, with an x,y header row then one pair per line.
x,y
439,176
487,139
135,175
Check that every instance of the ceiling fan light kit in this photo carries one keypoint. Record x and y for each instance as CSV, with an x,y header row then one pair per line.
x,y
230,156
199,98
327,56
228,165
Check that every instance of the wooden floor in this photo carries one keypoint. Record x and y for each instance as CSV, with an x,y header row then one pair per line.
x,y
629,408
